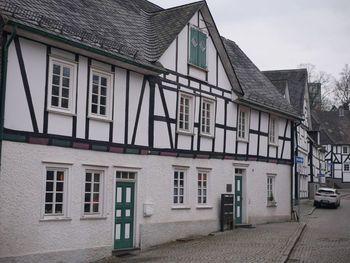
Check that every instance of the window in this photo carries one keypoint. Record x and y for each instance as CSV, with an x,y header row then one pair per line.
x,y
61,91
270,189
243,120
125,175
100,95
202,187
185,115
179,187
93,194
346,167
198,48
345,149
207,114
55,194
273,132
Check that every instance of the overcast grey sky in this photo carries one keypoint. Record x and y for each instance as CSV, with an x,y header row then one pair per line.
x,y
281,34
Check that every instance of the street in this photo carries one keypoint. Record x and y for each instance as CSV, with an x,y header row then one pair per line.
x,y
326,237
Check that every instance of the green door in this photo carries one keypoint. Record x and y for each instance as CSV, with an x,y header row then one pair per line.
x,y
238,199
124,215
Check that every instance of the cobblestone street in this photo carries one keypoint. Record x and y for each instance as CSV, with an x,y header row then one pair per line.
x,y
327,235
265,243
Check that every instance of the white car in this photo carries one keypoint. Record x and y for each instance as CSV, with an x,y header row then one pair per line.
x,y
327,197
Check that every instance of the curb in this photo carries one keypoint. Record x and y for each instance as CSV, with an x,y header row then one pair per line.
x,y
293,239
311,211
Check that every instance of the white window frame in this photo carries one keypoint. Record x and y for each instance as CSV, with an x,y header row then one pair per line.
x,y
72,86
270,187
109,94
208,122
191,99
273,131
346,149
178,204
200,187
65,215
246,122
348,167
102,192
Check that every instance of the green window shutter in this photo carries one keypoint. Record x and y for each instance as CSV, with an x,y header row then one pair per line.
x,y
202,50
194,44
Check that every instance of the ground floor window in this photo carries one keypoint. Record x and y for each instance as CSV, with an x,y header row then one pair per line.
x,y
202,187
270,189
93,192
179,187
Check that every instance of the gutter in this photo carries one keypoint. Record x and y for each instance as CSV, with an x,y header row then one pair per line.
x,y
294,117
3,86
87,48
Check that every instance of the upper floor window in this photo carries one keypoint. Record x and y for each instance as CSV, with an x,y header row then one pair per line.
x,y
198,48
345,149
243,124
346,167
101,88
61,90
185,115
273,132
207,115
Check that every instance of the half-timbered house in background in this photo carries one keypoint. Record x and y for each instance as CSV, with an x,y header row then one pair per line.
x,y
293,85
123,123
334,127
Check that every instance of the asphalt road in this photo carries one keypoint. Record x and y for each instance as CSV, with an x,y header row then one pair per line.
x,y
326,237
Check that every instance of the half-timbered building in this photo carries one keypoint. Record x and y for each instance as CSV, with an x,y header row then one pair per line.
x,y
123,123
334,127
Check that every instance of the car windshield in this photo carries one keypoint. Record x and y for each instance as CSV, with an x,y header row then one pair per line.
x,y
328,192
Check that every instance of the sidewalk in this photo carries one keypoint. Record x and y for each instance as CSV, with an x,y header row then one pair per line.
x,y
265,243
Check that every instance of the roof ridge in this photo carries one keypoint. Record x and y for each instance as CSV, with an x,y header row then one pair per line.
x,y
176,7
285,70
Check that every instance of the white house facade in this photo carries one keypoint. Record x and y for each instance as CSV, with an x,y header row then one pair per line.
x,y
118,143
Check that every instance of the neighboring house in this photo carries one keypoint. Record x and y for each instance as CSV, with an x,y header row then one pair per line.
x,y
293,84
335,137
123,123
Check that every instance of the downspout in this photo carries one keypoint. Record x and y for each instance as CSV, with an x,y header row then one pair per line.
x,y
296,181
294,166
3,86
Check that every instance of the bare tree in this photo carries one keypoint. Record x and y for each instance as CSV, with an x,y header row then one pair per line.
x,y
342,87
323,81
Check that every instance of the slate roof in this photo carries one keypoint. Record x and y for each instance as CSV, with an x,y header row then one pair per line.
x,y
297,82
257,88
334,129
137,29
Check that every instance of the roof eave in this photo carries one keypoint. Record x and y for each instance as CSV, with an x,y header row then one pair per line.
x,y
79,47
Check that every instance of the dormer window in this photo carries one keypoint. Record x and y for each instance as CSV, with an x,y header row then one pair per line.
x,y
198,48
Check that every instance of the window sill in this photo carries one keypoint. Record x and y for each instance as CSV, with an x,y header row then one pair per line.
x,y
242,140
210,136
49,219
93,218
188,133
204,207
180,208
271,204
61,112
96,118
198,67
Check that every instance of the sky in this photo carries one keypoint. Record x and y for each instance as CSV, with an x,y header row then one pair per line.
x,y
282,34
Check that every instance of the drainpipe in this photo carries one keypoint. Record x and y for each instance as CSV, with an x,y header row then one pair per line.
x,y
3,86
294,166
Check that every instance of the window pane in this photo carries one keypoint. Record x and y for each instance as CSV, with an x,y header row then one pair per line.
x,y
94,98
59,186
59,197
96,187
48,197
48,209
54,101
64,103
65,82
56,80
88,177
103,100
131,175
87,208
56,69
87,187
87,197
96,177
95,208
118,175
49,175
66,72
95,79
94,89
103,81
181,200
102,110
94,108
60,176
96,198
65,93
55,90
58,208
103,91
124,175
49,186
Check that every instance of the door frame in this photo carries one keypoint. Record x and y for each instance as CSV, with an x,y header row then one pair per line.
x,y
136,186
244,209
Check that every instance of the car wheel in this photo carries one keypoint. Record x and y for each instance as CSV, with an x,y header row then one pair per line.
x,y
316,204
